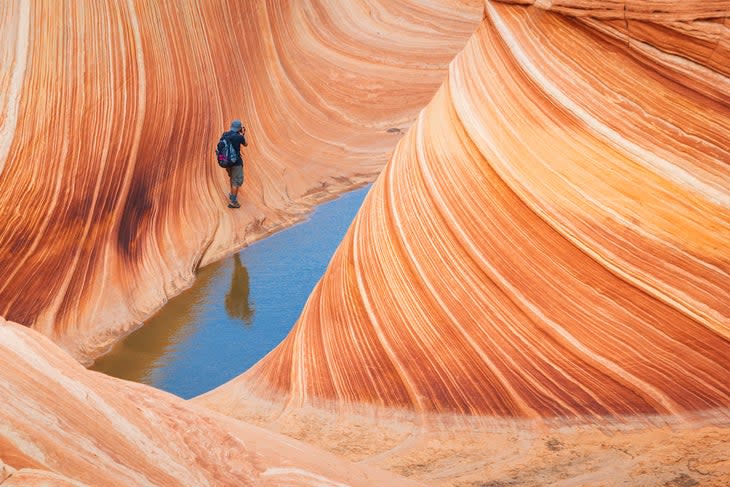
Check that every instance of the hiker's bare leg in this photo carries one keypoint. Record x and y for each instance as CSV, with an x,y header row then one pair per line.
x,y
234,191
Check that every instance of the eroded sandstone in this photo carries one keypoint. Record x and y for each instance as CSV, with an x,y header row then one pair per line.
x,y
109,112
61,424
547,249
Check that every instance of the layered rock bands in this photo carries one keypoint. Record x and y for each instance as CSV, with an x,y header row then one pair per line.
x,y
67,426
109,112
550,239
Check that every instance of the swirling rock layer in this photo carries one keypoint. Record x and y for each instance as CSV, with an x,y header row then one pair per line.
x,y
550,239
63,425
109,111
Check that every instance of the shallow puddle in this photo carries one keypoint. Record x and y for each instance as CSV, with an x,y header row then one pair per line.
x,y
238,309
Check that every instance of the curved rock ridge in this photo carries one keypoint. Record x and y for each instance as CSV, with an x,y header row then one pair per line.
x,y
61,424
550,239
109,194
29,477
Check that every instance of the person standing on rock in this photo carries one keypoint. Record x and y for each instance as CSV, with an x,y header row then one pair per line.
x,y
236,137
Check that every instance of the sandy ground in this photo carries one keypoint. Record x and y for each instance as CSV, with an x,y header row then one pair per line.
x,y
478,452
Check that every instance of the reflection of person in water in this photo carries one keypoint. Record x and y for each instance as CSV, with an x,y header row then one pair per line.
x,y
237,305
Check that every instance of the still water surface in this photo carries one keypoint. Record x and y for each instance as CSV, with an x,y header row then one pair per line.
x,y
237,311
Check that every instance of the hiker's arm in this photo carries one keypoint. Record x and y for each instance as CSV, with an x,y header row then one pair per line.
x,y
243,134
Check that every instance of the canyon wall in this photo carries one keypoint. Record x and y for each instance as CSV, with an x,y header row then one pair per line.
x,y
551,239
109,112
536,289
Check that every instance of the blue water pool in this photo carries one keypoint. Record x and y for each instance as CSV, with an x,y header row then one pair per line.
x,y
237,311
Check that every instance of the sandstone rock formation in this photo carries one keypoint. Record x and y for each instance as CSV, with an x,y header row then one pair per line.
x,y
63,425
109,195
551,238
535,291
550,244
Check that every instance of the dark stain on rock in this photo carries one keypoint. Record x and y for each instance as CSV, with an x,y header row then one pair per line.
x,y
554,445
135,219
491,483
682,480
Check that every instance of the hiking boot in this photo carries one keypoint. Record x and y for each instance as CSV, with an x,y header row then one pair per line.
x,y
233,201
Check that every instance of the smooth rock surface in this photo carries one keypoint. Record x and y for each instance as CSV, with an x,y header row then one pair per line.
x,y
29,477
110,110
535,291
61,424
548,250
551,238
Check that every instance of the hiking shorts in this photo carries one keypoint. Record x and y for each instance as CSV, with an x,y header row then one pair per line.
x,y
236,175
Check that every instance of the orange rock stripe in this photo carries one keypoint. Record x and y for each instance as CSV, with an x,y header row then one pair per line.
x,y
109,111
550,239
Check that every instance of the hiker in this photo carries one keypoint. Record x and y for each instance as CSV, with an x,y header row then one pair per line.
x,y
235,137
